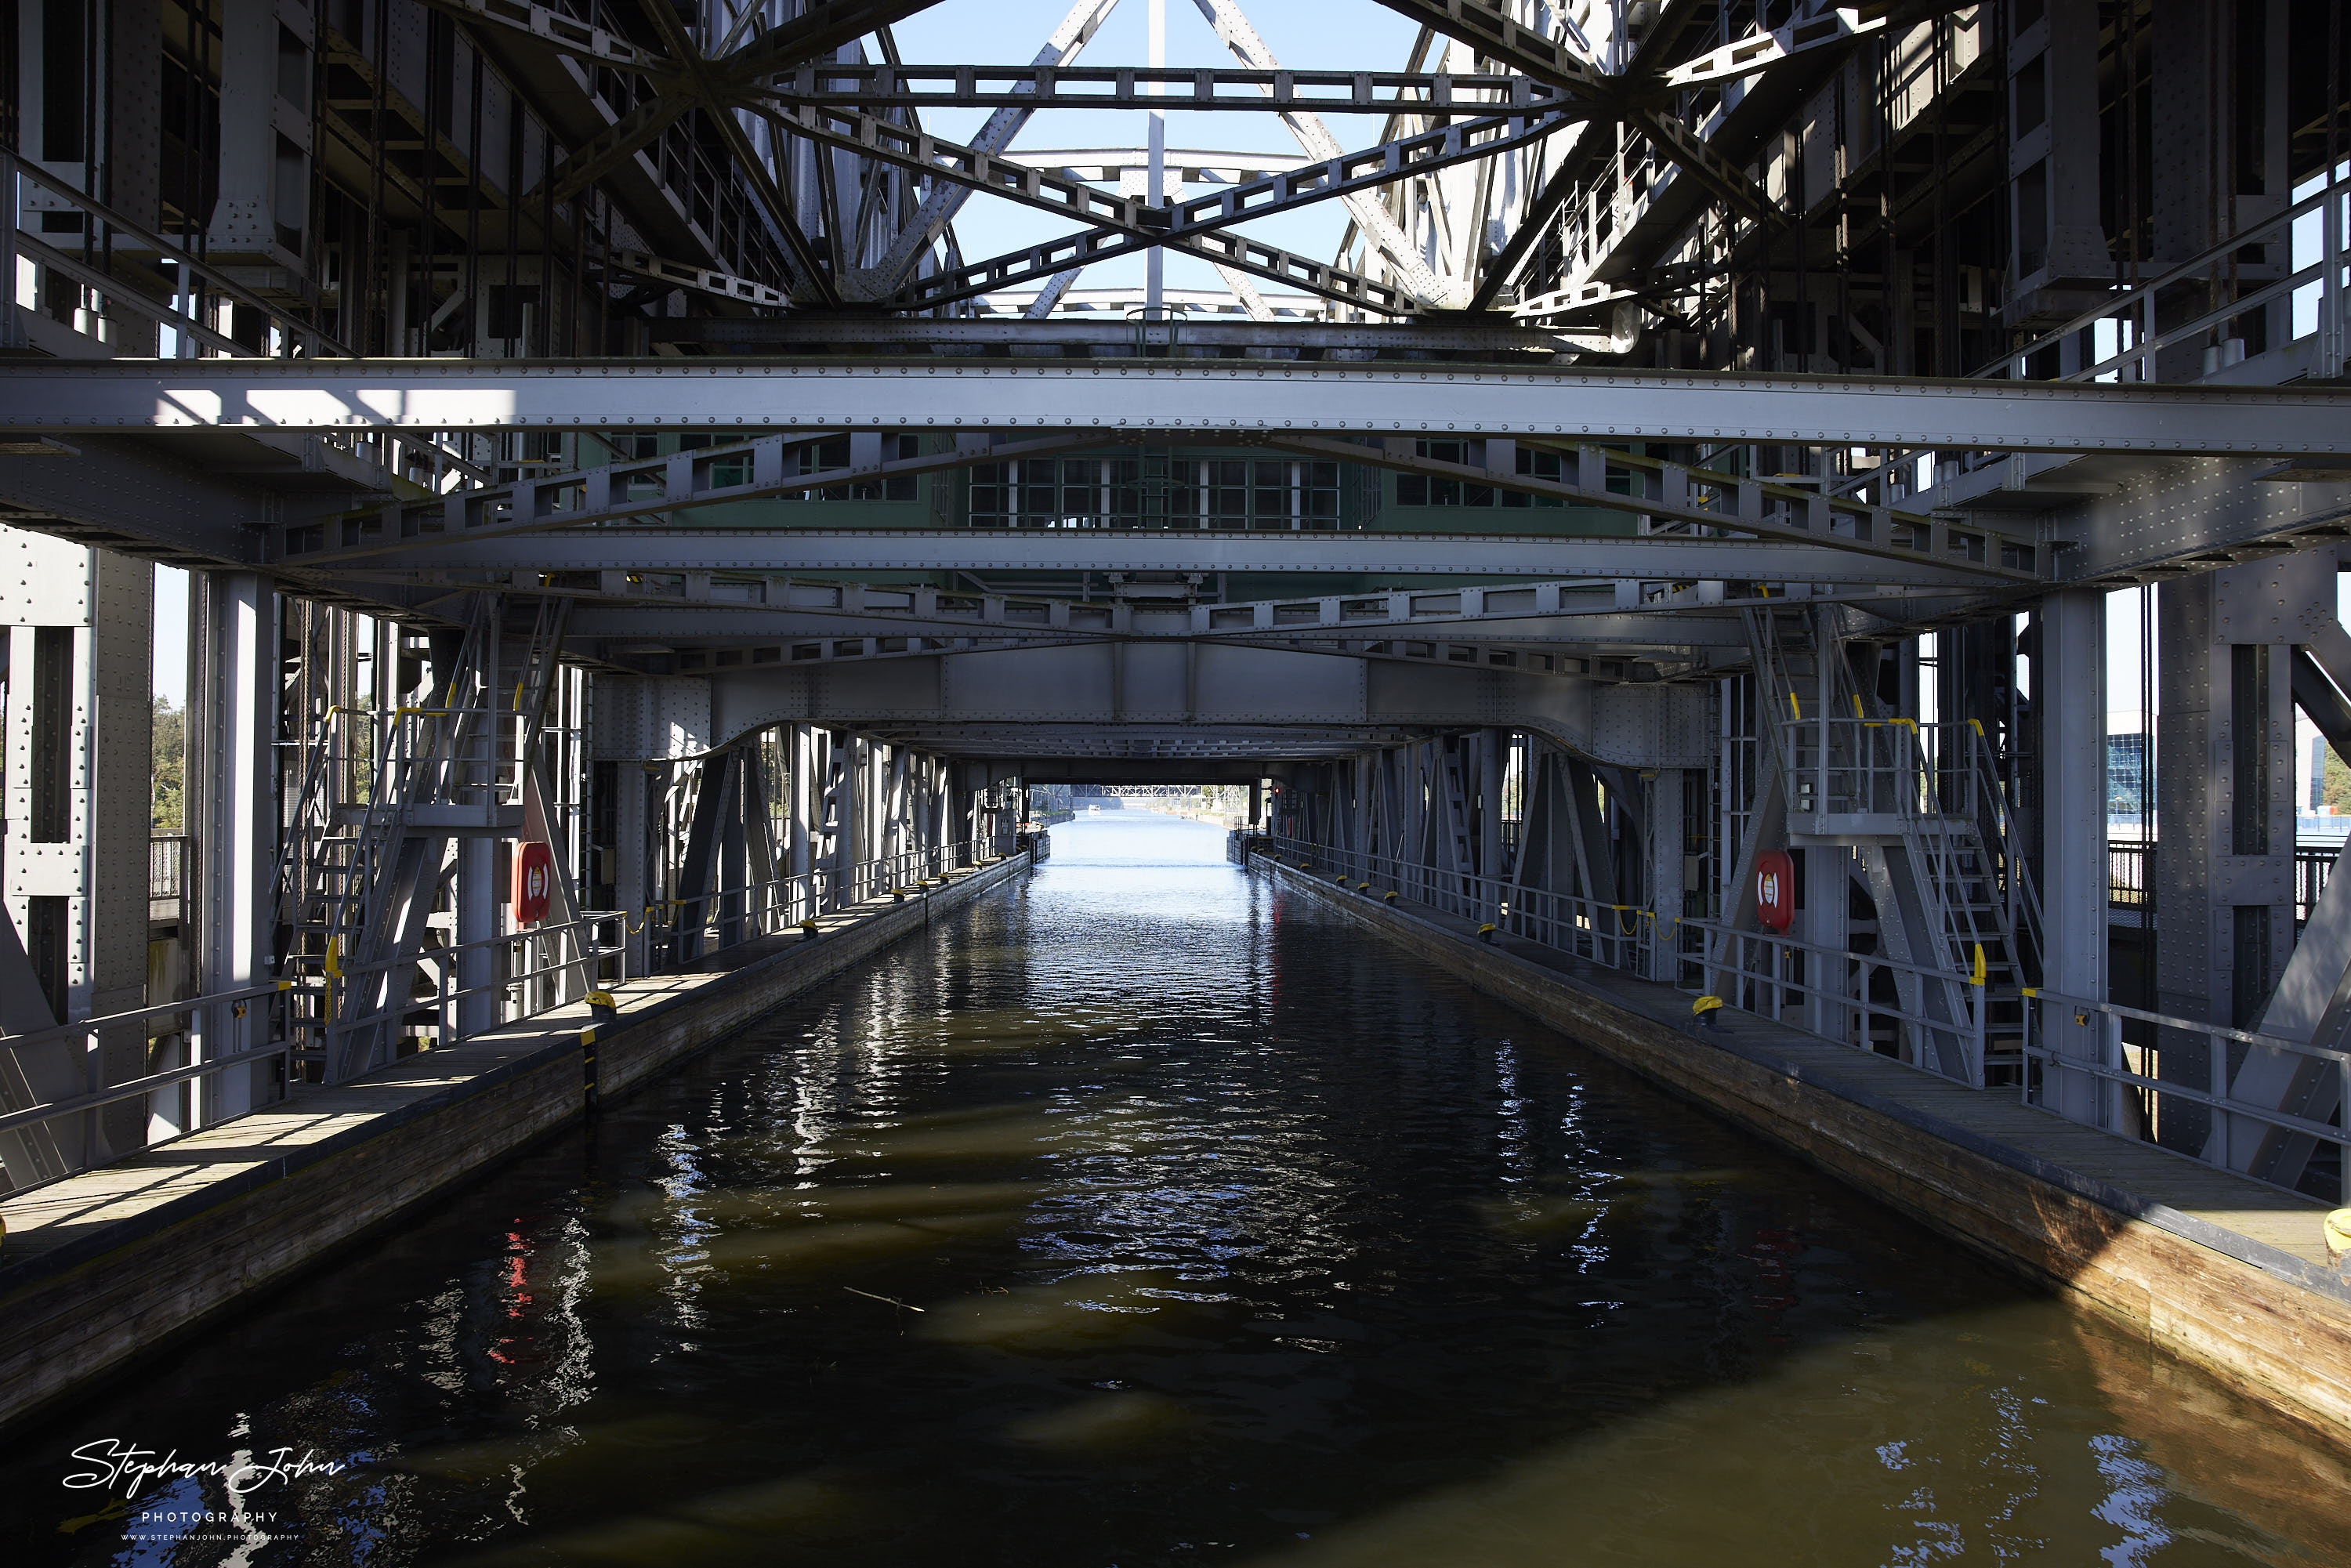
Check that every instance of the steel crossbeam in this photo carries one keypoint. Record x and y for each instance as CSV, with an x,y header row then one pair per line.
x,y
819,29
630,491
1101,328
1739,506
1579,616
613,147
1033,87
820,551
1761,51
1159,400
552,29
1128,223
1488,27
700,279
701,607
1217,247
940,206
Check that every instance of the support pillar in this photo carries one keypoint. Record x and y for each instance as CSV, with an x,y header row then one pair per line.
x,y
803,817
1667,877
2070,686
1824,919
232,812
2223,871
79,780
633,883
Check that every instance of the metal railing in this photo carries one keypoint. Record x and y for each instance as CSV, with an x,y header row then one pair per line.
x,y
2202,295
1939,783
167,866
169,859
1617,935
96,1094
2130,868
2124,337
1831,995
537,976
2140,1102
299,1009
1774,977
2129,863
2313,865
107,291
761,909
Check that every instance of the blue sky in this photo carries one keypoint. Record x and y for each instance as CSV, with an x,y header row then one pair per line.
x,y
1336,35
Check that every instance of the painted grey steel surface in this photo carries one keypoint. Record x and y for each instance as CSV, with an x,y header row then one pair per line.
x,y
815,550
1165,397
774,334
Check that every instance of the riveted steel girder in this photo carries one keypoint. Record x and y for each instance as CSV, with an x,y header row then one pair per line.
x,y
817,551
882,86
1126,222
1162,400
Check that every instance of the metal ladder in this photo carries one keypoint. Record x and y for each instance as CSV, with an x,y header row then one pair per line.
x,y
359,879
1955,896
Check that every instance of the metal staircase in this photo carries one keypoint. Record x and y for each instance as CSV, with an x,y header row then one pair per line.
x,y
359,879
1934,831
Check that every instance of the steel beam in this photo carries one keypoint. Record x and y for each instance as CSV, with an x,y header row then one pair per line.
x,y
621,491
1128,223
1334,173
1161,400
1739,507
2168,518
821,27
1761,51
1518,613
2071,678
1354,554
1043,86
553,30
940,206
1222,248
1488,27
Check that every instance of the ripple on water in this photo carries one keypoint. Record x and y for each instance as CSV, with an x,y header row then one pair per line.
x,y
1138,1215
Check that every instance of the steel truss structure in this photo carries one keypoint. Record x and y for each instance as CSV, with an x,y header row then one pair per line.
x,y
1716,431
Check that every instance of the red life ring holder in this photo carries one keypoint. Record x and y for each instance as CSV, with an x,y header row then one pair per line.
x,y
1775,890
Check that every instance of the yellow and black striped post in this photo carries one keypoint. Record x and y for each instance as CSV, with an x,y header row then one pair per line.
x,y
601,1006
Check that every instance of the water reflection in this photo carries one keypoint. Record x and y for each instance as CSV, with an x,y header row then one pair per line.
x,y
1139,1215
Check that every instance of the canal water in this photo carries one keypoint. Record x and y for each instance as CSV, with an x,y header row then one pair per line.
x,y
1141,1215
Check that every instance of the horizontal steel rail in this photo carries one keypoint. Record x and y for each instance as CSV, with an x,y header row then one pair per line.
x,y
1771,975
1661,556
2112,1065
1754,974
1158,399
1616,935
2134,304
767,907
1223,90
1761,972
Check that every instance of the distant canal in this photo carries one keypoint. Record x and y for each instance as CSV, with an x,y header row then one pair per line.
x,y
1138,1216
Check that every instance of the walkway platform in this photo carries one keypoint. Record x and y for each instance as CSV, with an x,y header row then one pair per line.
x,y
2221,1271
101,1268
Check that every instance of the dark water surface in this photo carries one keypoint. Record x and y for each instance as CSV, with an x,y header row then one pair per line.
x,y
1143,1216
